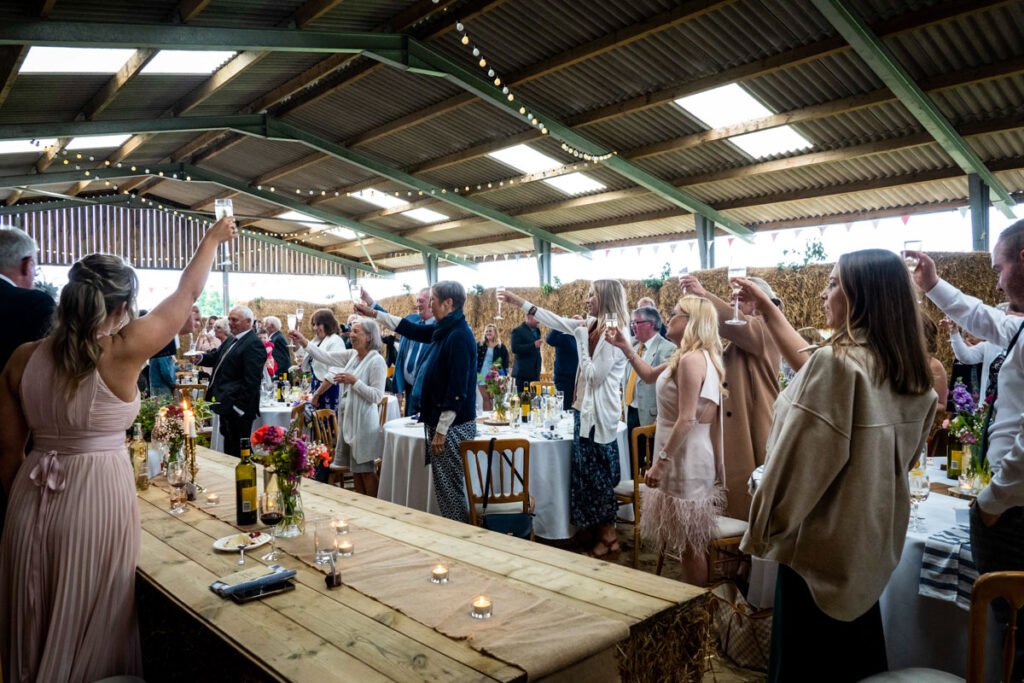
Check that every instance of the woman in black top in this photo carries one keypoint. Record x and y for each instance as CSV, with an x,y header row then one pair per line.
x,y
445,389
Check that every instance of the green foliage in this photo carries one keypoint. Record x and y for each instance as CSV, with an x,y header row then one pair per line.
x,y
476,290
407,288
210,302
656,282
547,289
148,409
813,252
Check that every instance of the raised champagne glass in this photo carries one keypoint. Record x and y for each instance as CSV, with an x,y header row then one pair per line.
x,y
498,292
736,272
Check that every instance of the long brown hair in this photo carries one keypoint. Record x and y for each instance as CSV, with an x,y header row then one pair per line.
x,y
881,313
97,284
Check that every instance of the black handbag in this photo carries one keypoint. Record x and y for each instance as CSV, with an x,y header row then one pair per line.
x,y
518,524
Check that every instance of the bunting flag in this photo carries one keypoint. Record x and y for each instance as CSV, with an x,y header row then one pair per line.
x,y
775,237
848,226
874,223
905,219
692,246
821,231
963,211
730,240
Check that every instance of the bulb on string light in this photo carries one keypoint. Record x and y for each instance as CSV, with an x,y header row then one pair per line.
x,y
476,52
459,27
465,40
483,62
497,82
490,73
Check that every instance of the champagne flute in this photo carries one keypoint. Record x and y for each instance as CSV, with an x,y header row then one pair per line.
x,y
683,272
919,490
611,322
355,290
222,208
735,272
912,263
498,292
271,506
291,326
298,317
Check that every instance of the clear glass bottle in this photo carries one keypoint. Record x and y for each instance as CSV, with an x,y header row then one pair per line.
x,y
537,410
514,405
140,459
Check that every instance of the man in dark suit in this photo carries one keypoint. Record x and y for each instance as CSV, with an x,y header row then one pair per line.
x,y
567,360
235,384
29,311
526,343
272,326
410,352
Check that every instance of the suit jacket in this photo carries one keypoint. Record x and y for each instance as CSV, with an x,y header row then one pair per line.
x,y
527,362
29,313
237,372
280,353
657,350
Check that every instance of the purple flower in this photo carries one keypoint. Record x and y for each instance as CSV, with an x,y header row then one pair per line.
x,y
962,399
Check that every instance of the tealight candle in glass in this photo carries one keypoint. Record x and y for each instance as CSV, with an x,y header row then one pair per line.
x,y
481,607
340,525
343,548
439,574
212,499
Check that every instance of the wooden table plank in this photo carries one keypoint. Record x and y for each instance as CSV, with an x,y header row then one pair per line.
x,y
371,634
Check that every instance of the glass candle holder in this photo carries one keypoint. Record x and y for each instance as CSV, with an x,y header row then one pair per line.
x,y
482,607
344,548
439,574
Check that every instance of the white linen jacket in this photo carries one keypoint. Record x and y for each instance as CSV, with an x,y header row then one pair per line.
x,y
358,404
598,378
329,344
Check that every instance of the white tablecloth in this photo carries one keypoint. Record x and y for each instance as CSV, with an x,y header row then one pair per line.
x,y
279,414
405,480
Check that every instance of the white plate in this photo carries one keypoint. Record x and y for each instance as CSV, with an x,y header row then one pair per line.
x,y
229,544
193,353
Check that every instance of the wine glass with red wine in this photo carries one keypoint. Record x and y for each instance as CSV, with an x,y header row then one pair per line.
x,y
271,506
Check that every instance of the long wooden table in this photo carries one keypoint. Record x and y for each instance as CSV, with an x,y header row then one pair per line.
x,y
315,634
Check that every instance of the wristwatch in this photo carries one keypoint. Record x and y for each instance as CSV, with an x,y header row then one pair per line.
x,y
662,455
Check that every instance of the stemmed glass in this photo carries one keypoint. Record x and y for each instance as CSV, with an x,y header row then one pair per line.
x,y
271,506
221,208
919,490
355,290
291,326
611,322
683,272
298,317
736,272
177,477
499,291
912,262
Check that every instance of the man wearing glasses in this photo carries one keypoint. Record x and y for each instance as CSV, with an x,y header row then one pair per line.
x,y
639,396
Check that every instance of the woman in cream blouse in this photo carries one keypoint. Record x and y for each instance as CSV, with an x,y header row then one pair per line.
x,y
598,405
361,383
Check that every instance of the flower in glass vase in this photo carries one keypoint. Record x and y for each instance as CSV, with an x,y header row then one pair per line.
x,y
169,428
497,384
287,454
968,425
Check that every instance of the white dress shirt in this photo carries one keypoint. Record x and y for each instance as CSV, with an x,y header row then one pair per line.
x,y
983,352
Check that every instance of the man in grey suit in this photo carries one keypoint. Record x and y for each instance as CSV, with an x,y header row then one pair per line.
x,y
639,396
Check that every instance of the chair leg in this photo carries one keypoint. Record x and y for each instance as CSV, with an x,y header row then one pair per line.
x,y
661,560
636,535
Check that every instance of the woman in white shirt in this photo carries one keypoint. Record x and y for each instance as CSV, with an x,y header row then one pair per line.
x,y
361,383
596,410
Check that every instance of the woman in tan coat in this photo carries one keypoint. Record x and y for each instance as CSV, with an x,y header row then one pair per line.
x,y
834,502
751,362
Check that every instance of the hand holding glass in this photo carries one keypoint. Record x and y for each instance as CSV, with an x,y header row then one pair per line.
x,y
499,292
736,272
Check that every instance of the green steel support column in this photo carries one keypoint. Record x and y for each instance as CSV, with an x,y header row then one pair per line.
x,y
543,250
430,269
705,241
885,65
978,198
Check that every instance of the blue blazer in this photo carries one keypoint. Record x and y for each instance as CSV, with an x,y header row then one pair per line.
x,y
406,347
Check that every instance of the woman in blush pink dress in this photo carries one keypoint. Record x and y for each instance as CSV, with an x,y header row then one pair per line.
x,y
72,535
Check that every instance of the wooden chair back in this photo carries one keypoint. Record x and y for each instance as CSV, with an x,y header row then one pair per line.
x,y
541,386
642,455
505,486
325,427
298,418
1008,586
382,410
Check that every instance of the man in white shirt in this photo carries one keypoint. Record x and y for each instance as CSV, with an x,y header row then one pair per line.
x,y
997,517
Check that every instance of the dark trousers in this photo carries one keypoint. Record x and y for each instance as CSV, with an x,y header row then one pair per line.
x,y
809,645
1000,547
632,422
234,428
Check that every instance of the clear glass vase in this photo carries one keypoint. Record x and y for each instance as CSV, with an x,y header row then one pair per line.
x,y
294,522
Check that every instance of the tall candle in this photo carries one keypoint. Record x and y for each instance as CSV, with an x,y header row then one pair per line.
x,y
189,424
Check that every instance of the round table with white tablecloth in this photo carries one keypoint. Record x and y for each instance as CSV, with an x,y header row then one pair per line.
x,y
405,480
280,414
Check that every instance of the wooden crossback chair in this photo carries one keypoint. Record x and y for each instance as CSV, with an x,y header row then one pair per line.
x,y
325,430
189,392
1008,586
503,496
628,491
298,418
382,410
536,387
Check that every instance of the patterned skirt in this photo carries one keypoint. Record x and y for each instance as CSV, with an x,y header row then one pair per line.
x,y
595,472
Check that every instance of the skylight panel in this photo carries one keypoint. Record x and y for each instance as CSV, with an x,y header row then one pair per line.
x,y
26,146
197,62
575,183
298,217
525,159
74,60
724,106
771,142
343,233
378,198
97,142
425,216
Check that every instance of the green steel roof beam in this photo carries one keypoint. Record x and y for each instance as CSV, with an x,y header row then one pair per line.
x,y
187,37
64,204
283,200
885,65
249,124
424,56
281,130
318,254
62,178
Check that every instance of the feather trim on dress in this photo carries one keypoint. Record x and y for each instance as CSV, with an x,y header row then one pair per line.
x,y
681,524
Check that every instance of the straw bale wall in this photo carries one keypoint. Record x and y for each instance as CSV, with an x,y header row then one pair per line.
x,y
798,287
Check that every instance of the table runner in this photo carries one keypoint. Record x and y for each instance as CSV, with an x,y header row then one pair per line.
x,y
947,567
534,633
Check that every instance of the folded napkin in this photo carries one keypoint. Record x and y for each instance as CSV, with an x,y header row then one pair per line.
x,y
947,567
248,579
